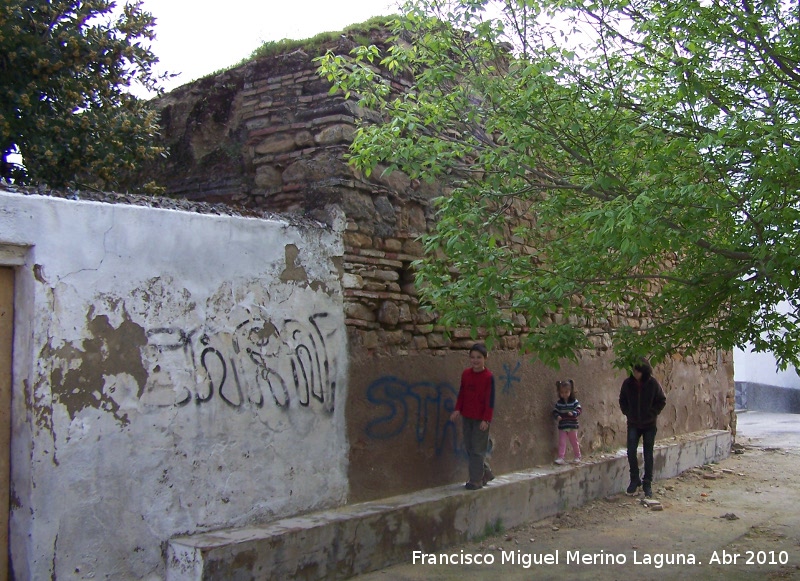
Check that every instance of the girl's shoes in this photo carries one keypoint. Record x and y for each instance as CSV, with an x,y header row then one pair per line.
x,y
559,461
577,460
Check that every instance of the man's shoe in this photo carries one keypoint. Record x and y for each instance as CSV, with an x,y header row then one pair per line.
x,y
648,490
633,486
472,486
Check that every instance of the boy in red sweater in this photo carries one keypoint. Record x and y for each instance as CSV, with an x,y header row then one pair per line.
x,y
475,405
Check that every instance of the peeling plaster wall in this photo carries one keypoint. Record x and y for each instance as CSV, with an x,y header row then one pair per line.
x,y
173,373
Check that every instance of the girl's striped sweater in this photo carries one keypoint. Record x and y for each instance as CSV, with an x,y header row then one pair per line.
x,y
562,408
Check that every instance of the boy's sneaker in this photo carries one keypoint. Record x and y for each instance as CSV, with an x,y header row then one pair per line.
x,y
472,486
559,461
633,486
648,490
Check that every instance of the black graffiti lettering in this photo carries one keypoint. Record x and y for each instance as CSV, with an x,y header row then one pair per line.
x,y
257,356
223,393
310,364
264,373
223,372
255,389
302,398
185,400
235,339
172,340
317,387
305,385
283,402
326,362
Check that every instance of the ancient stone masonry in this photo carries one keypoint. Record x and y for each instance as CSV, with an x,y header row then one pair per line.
x,y
269,136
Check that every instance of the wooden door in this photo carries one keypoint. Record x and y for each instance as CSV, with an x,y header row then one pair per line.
x,y
6,337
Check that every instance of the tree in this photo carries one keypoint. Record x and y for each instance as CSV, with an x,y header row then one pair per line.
x,y
639,157
65,70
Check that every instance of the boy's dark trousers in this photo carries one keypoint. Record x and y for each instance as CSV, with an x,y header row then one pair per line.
x,y
476,443
648,436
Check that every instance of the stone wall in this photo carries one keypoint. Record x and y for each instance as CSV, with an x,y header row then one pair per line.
x,y
269,135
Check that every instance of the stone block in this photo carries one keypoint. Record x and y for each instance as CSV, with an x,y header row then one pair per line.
x,y
268,177
352,281
357,239
405,313
339,133
420,342
303,139
384,275
354,310
413,247
437,340
369,339
389,313
424,316
392,337
276,144
392,245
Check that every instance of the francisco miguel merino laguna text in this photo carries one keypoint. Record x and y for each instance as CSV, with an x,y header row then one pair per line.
x,y
527,560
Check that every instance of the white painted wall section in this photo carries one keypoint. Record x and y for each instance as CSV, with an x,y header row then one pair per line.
x,y
173,373
761,368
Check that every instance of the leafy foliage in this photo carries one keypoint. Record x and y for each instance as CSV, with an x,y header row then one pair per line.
x,y
65,70
623,173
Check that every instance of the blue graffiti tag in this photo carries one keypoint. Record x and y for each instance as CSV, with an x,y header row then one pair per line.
x,y
424,401
510,377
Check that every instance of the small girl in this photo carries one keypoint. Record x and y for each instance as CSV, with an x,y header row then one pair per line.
x,y
566,412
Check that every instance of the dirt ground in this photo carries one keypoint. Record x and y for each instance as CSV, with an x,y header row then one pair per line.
x,y
738,519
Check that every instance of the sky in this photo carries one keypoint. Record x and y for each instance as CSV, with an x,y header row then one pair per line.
x,y
197,37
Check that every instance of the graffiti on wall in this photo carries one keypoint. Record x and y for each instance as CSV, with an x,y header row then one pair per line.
x,y
258,364
510,377
423,406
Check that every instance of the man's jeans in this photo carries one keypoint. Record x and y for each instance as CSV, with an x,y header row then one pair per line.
x,y
648,436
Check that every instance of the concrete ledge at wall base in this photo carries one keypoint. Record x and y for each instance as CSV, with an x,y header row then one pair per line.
x,y
354,539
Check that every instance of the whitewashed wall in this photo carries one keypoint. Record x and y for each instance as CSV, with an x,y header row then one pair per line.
x,y
173,373
761,368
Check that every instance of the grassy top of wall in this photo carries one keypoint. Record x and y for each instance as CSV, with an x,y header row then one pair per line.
x,y
358,33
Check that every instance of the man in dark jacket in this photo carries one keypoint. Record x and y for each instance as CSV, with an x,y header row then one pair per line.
x,y
641,400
